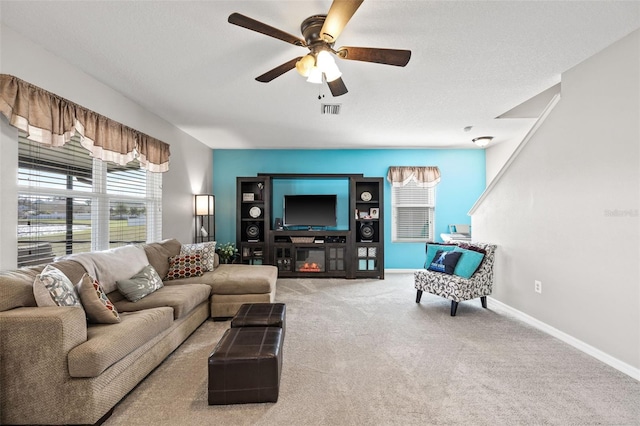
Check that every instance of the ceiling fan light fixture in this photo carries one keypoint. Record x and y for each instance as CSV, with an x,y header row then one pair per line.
x,y
482,141
324,59
327,64
315,76
304,65
332,73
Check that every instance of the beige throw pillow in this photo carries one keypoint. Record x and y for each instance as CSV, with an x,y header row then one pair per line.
x,y
207,252
52,288
141,284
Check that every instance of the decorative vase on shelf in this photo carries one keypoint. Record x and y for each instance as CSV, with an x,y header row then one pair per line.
x,y
260,188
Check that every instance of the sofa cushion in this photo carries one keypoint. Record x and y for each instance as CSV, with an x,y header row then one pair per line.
x,y
141,284
182,298
468,263
51,287
235,279
159,253
243,279
184,266
72,269
445,261
97,305
207,252
108,343
17,287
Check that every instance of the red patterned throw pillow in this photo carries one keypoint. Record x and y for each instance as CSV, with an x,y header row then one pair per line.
x,y
97,305
185,266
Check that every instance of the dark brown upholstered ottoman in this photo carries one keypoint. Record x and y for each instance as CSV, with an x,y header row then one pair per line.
x,y
261,315
245,366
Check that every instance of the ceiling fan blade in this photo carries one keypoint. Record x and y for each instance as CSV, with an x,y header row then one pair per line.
x,y
278,71
337,87
395,57
252,24
337,18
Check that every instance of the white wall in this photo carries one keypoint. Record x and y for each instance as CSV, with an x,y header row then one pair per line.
x,y
8,194
190,163
566,210
497,155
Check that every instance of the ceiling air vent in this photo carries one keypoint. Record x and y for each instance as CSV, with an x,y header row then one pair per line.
x,y
333,109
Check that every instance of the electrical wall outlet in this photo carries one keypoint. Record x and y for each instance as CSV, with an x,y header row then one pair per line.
x,y
537,286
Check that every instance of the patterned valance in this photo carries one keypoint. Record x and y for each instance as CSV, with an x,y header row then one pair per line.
x,y
52,120
423,176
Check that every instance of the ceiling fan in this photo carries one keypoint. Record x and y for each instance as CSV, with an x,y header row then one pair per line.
x,y
320,33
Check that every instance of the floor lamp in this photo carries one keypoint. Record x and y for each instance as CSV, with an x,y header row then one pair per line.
x,y
205,209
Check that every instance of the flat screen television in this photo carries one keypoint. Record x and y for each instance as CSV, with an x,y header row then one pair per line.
x,y
310,210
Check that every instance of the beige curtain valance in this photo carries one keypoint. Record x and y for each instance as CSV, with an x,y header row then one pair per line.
x,y
52,120
423,176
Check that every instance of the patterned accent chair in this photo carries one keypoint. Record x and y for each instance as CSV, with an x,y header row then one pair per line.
x,y
457,288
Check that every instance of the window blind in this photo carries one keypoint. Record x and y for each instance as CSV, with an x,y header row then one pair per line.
x,y
413,213
69,202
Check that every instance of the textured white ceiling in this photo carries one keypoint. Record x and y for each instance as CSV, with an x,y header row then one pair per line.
x,y
472,61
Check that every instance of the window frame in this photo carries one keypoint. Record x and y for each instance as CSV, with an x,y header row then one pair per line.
x,y
99,194
413,196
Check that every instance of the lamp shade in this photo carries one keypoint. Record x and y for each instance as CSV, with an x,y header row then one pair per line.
x,y
324,60
205,204
315,76
304,65
327,65
331,72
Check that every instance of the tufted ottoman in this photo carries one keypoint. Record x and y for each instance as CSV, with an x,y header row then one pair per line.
x,y
261,315
245,366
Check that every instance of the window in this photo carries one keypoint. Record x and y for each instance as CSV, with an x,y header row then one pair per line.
x,y
69,202
413,210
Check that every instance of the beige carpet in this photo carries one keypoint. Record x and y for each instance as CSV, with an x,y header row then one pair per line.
x,y
362,352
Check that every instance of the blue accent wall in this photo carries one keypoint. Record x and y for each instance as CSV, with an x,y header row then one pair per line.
x,y
463,181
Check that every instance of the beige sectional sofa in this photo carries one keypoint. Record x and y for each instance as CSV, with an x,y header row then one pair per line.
x,y
58,368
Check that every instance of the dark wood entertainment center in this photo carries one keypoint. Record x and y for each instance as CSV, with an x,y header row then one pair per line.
x,y
356,252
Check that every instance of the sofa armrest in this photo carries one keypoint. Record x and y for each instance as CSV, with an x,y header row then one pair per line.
x,y
34,343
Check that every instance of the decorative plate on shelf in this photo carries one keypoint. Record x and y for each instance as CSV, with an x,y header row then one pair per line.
x,y
255,212
365,196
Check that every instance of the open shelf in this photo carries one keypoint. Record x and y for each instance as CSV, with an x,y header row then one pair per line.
x,y
355,252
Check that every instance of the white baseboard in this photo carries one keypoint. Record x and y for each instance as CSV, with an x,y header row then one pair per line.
x,y
578,344
400,271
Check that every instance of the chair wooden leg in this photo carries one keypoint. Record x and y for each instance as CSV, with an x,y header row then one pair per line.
x,y
483,300
454,308
418,296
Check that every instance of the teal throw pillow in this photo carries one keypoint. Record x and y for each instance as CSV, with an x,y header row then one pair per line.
x,y
468,263
433,248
